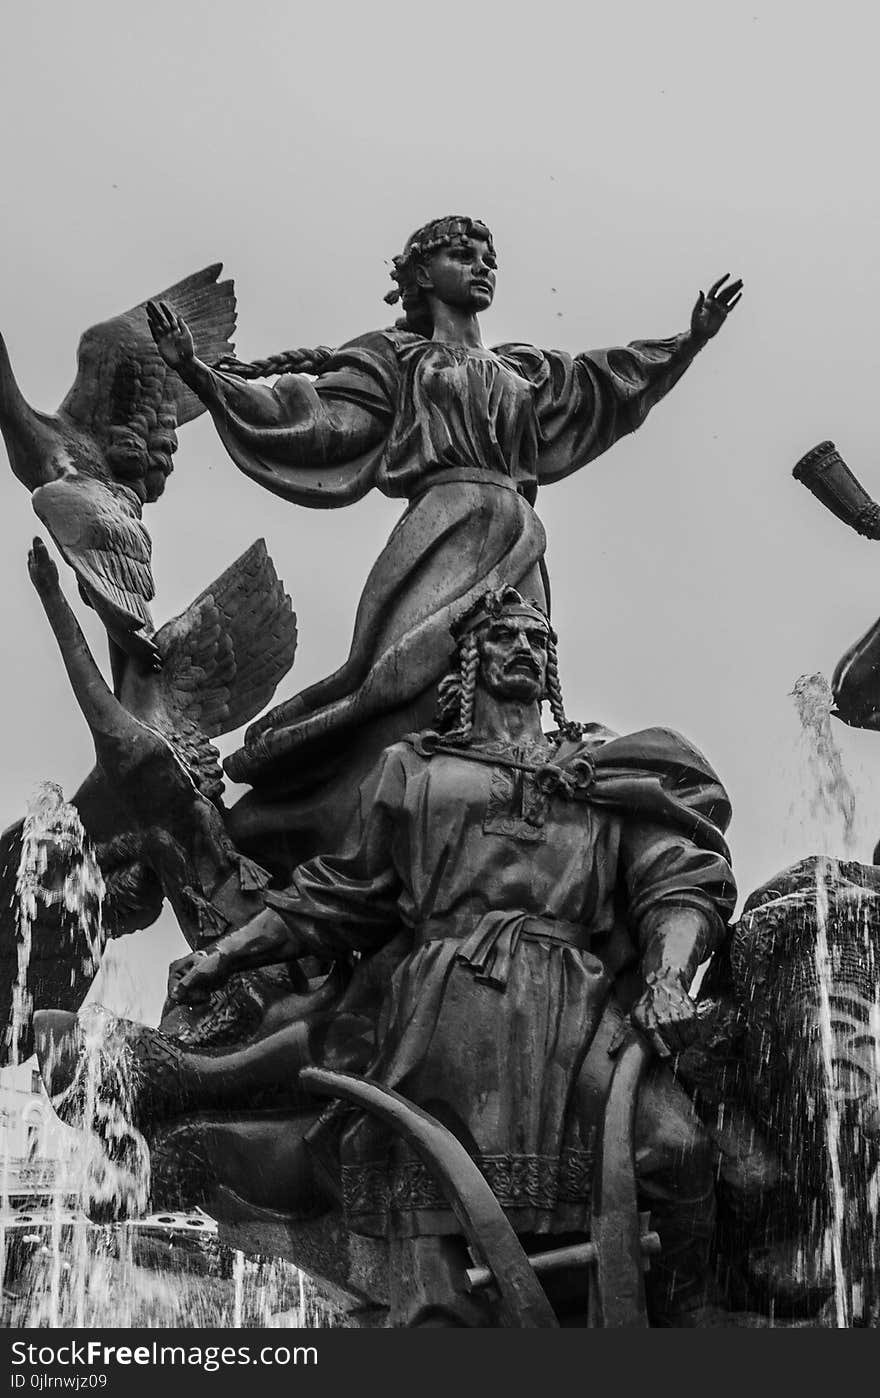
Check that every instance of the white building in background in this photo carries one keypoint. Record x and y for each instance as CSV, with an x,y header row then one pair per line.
x,y
35,1148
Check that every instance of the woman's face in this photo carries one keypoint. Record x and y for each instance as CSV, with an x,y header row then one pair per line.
x,y
461,275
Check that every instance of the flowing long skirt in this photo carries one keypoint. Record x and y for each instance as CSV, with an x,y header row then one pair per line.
x,y
307,757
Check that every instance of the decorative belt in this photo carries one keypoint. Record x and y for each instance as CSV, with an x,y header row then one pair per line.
x,y
467,474
488,943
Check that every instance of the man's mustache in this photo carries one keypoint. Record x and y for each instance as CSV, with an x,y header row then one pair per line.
x,y
523,663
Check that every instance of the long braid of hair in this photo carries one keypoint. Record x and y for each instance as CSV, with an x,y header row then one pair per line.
x,y
466,687
566,726
470,664
295,361
448,705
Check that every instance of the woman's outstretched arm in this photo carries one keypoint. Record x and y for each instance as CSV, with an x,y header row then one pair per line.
x,y
303,440
589,401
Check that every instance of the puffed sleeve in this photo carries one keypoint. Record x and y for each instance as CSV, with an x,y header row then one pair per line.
x,y
314,442
663,869
587,402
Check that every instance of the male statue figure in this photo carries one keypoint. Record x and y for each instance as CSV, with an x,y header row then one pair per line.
x,y
549,892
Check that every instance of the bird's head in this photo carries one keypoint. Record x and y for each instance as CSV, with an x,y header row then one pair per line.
x,y
140,456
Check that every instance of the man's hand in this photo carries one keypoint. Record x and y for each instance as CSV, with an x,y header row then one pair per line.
x,y
173,336
264,941
712,309
666,1015
193,977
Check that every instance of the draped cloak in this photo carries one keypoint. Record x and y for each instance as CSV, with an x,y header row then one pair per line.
x,y
520,901
466,436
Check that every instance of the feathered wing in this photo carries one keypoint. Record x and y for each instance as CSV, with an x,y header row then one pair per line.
x,y
98,529
125,395
222,660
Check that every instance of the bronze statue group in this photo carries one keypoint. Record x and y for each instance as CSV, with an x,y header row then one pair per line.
x,y
423,890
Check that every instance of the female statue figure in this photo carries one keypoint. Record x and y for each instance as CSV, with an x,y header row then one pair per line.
x,y
466,435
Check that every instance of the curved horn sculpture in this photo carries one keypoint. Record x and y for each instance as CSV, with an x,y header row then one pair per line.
x,y
825,473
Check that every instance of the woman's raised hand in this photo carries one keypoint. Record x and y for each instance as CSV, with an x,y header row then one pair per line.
x,y
173,336
713,307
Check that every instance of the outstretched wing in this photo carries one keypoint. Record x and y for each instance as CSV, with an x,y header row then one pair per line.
x,y
222,660
99,531
125,395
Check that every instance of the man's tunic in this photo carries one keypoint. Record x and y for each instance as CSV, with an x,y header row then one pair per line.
x,y
523,885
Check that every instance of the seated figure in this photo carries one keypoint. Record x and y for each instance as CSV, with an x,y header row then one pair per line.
x,y
528,897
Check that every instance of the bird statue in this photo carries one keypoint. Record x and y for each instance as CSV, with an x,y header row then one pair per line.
x,y
221,662
152,805
108,451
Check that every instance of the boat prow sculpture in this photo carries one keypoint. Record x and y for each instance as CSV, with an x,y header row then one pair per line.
x,y
240,1130
776,1053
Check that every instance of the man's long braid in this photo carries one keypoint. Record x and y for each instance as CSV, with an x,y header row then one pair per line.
x,y
448,706
294,361
565,725
466,686
457,692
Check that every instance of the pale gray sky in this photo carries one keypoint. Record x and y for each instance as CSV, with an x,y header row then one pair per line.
x,y
624,156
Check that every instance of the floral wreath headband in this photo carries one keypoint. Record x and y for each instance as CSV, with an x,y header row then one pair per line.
x,y
440,233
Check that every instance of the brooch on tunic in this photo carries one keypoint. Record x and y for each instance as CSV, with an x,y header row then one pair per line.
x,y
572,782
546,780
